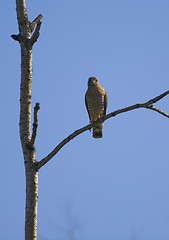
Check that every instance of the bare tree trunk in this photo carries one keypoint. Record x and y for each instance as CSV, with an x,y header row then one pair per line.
x,y
31,204
28,141
28,148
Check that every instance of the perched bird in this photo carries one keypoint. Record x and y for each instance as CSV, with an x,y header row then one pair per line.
x,y
96,104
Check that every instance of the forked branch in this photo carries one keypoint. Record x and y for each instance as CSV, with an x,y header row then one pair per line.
x,y
22,16
158,110
147,105
35,22
36,34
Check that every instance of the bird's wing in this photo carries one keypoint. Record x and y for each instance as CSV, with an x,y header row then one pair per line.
x,y
105,102
87,105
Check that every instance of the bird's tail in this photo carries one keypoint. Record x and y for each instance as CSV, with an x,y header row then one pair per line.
x,y
97,130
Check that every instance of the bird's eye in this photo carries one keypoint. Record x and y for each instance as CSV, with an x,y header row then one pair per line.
x,y
96,80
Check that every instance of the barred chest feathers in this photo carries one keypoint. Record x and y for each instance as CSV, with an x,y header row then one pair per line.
x,y
95,102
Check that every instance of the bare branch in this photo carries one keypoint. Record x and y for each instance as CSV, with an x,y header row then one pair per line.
x,y
139,105
61,144
35,22
147,105
154,100
36,34
158,110
35,124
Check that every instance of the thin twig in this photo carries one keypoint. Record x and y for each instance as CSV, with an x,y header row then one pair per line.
x,y
158,110
147,105
35,124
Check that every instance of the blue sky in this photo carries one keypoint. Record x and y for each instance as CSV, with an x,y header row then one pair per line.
x,y
115,188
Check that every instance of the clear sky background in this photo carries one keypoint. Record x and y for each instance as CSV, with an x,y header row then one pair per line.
x,y
116,188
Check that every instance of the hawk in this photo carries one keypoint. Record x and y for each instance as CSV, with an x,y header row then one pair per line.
x,y
96,104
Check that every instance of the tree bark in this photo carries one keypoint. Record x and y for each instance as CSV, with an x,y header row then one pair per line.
x,y
31,204
28,149
28,141
25,136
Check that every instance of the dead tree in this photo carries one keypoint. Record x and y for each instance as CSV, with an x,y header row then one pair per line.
x,y
27,37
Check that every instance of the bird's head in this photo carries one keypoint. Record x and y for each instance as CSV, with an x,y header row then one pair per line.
x,y
93,81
